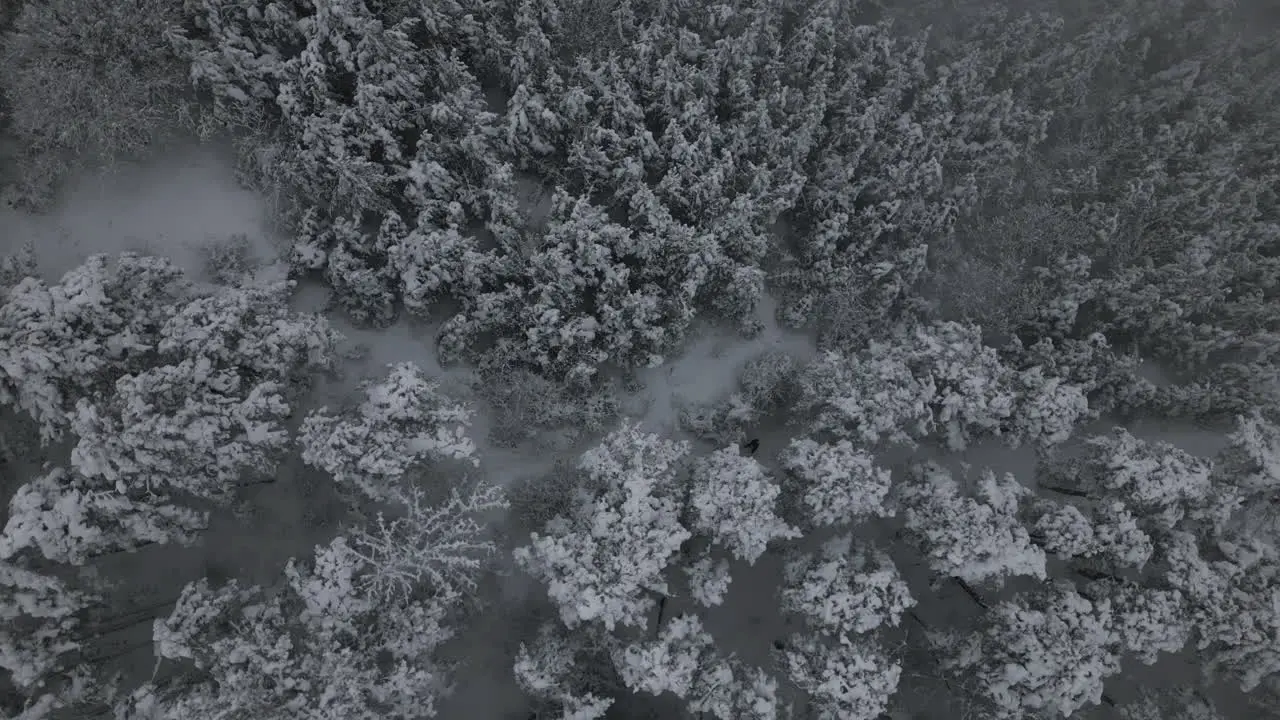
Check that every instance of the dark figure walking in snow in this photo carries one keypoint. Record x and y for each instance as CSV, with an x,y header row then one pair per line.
x,y
751,446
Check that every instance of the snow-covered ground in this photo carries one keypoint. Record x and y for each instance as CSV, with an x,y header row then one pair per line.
x,y
172,207
709,367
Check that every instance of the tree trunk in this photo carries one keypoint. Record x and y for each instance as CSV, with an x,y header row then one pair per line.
x,y
971,593
135,548
100,630
1070,492
95,659
103,625
662,608
1095,574
914,616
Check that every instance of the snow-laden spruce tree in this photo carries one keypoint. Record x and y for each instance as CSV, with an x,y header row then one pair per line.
x,y
209,407
1108,376
1147,621
843,595
733,501
730,689
1155,530
165,389
670,662
252,330
1048,652
836,483
72,340
844,590
313,649
64,518
371,123
39,633
1251,465
1185,282
1171,704
851,679
683,660
404,422
76,692
978,537
708,578
1229,585
549,670
354,633
1161,485
588,291
171,394
866,399
187,428
1110,534
605,566
605,561
935,382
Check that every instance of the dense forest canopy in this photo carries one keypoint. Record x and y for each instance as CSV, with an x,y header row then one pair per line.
x,y
1034,226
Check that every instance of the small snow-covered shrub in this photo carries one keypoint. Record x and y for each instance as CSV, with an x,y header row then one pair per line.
x,y
228,260
18,266
708,421
524,403
721,422
362,289
768,380
536,499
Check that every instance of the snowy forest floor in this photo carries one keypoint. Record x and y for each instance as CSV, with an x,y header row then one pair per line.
x,y
175,207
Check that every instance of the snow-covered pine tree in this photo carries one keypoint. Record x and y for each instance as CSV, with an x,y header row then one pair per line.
x,y
733,502
853,679
842,591
976,538
938,382
60,343
404,422
548,669
66,518
1048,652
42,615
328,642
606,560
836,483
